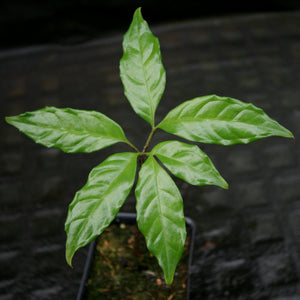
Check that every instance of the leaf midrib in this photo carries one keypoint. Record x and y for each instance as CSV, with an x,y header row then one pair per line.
x,y
162,217
150,98
63,129
175,160
191,119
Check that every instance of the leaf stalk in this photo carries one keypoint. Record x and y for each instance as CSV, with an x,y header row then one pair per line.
x,y
147,144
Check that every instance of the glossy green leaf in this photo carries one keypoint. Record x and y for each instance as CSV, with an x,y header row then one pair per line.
x,y
160,216
70,130
141,68
95,205
221,120
188,163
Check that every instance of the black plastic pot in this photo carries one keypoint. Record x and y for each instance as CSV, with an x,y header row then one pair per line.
x,y
130,218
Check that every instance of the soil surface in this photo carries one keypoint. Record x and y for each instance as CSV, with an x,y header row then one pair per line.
x,y
123,268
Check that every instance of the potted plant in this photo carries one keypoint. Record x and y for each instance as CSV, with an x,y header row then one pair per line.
x,y
159,207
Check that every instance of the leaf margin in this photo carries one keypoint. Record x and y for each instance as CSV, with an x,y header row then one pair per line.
x,y
132,159
169,270
151,104
17,121
176,129
160,153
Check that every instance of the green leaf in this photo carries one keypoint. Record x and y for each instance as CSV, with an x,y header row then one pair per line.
x,y
160,216
141,68
70,130
188,163
95,205
221,120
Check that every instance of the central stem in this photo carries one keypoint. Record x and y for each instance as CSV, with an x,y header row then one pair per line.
x,y
147,144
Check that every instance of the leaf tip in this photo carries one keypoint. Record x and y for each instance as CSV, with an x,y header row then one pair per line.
x,y
9,120
284,132
69,251
221,182
290,134
138,13
169,279
224,185
69,257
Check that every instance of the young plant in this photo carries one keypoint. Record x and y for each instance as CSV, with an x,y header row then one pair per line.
x,y
159,206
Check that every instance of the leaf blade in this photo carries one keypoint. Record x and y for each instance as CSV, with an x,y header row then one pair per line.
x,y
160,216
95,205
221,120
188,163
71,130
141,69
